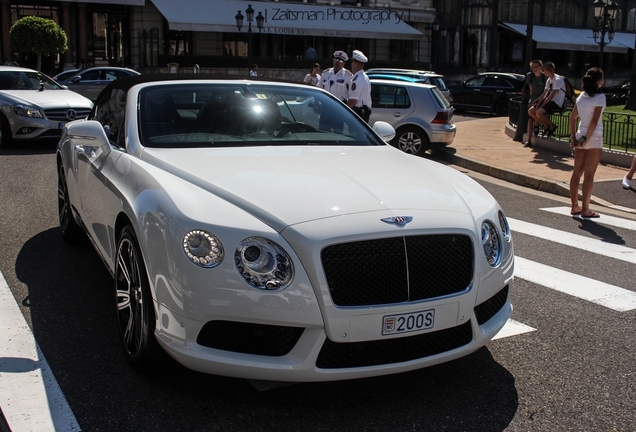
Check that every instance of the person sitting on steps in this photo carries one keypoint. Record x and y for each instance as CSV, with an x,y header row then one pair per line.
x,y
550,101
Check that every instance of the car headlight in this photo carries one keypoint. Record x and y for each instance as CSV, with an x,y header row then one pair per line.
x,y
203,249
27,111
263,264
505,228
491,243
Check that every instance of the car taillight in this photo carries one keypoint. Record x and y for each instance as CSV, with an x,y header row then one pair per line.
x,y
440,118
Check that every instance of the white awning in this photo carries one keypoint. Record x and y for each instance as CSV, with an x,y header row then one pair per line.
x,y
571,39
288,19
116,2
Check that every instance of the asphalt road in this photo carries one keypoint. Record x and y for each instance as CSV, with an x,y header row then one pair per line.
x,y
574,371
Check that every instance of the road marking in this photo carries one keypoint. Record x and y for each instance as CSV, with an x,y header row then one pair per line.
x,y
604,219
601,293
30,397
513,328
588,244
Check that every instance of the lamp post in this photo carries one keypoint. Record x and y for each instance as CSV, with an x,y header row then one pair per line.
x,y
260,19
605,13
432,31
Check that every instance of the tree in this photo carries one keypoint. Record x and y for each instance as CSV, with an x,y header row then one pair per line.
x,y
38,35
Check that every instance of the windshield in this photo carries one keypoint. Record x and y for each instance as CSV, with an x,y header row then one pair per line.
x,y
246,114
21,80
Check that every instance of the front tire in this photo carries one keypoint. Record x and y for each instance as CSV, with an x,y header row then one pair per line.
x,y
135,312
411,140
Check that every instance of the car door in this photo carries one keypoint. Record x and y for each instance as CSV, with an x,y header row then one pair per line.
x,y
469,93
390,103
88,83
98,203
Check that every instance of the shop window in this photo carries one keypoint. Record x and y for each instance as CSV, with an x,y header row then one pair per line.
x,y
179,43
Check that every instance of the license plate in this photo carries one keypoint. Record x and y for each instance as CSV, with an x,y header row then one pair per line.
x,y
410,322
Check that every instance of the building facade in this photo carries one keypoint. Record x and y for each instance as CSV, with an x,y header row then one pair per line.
x,y
450,36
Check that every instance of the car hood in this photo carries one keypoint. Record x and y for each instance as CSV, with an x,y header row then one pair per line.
x,y
283,186
48,98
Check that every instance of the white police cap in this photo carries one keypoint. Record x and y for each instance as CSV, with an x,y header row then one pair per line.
x,y
359,57
340,55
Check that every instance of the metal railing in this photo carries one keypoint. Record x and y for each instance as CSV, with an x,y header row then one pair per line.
x,y
619,129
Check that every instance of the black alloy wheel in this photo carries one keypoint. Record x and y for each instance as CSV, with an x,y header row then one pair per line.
x,y
411,140
6,139
135,314
501,107
72,233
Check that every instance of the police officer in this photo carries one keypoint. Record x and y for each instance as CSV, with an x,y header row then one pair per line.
x,y
360,90
336,80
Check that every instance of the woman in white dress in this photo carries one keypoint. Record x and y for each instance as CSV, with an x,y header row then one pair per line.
x,y
587,140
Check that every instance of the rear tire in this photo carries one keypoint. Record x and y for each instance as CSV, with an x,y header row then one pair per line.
x,y
6,139
72,233
501,108
411,140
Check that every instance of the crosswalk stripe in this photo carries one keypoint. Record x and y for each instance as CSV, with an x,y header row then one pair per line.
x,y
513,328
588,244
604,219
30,397
601,293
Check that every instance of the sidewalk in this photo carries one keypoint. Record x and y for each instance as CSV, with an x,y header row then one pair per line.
x,y
485,145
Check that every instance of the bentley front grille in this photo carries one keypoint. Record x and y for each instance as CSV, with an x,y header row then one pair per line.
x,y
398,269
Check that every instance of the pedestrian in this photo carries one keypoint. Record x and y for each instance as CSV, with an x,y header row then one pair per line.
x,y
549,102
313,77
586,140
627,180
254,70
535,84
311,53
360,91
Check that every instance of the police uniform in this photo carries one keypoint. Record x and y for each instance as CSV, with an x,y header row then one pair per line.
x,y
337,83
360,89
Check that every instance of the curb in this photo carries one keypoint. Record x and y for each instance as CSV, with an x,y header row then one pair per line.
x,y
522,179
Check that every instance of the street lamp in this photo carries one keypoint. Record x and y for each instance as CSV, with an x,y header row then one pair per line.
x,y
260,19
605,14
432,32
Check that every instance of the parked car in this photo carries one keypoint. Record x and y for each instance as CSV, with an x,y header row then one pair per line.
x,y
618,94
420,114
33,107
65,75
248,243
90,82
427,77
487,92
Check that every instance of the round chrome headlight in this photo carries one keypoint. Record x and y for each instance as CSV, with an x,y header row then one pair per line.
x,y
263,264
491,243
503,224
203,249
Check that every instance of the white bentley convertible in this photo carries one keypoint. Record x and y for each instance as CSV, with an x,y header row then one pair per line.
x,y
262,230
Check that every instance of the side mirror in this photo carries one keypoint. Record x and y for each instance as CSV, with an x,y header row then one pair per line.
x,y
76,79
385,130
89,138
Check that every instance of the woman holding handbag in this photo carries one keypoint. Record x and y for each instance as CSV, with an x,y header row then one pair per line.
x,y
587,140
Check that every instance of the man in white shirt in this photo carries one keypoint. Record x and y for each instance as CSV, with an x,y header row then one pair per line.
x,y
360,91
550,101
